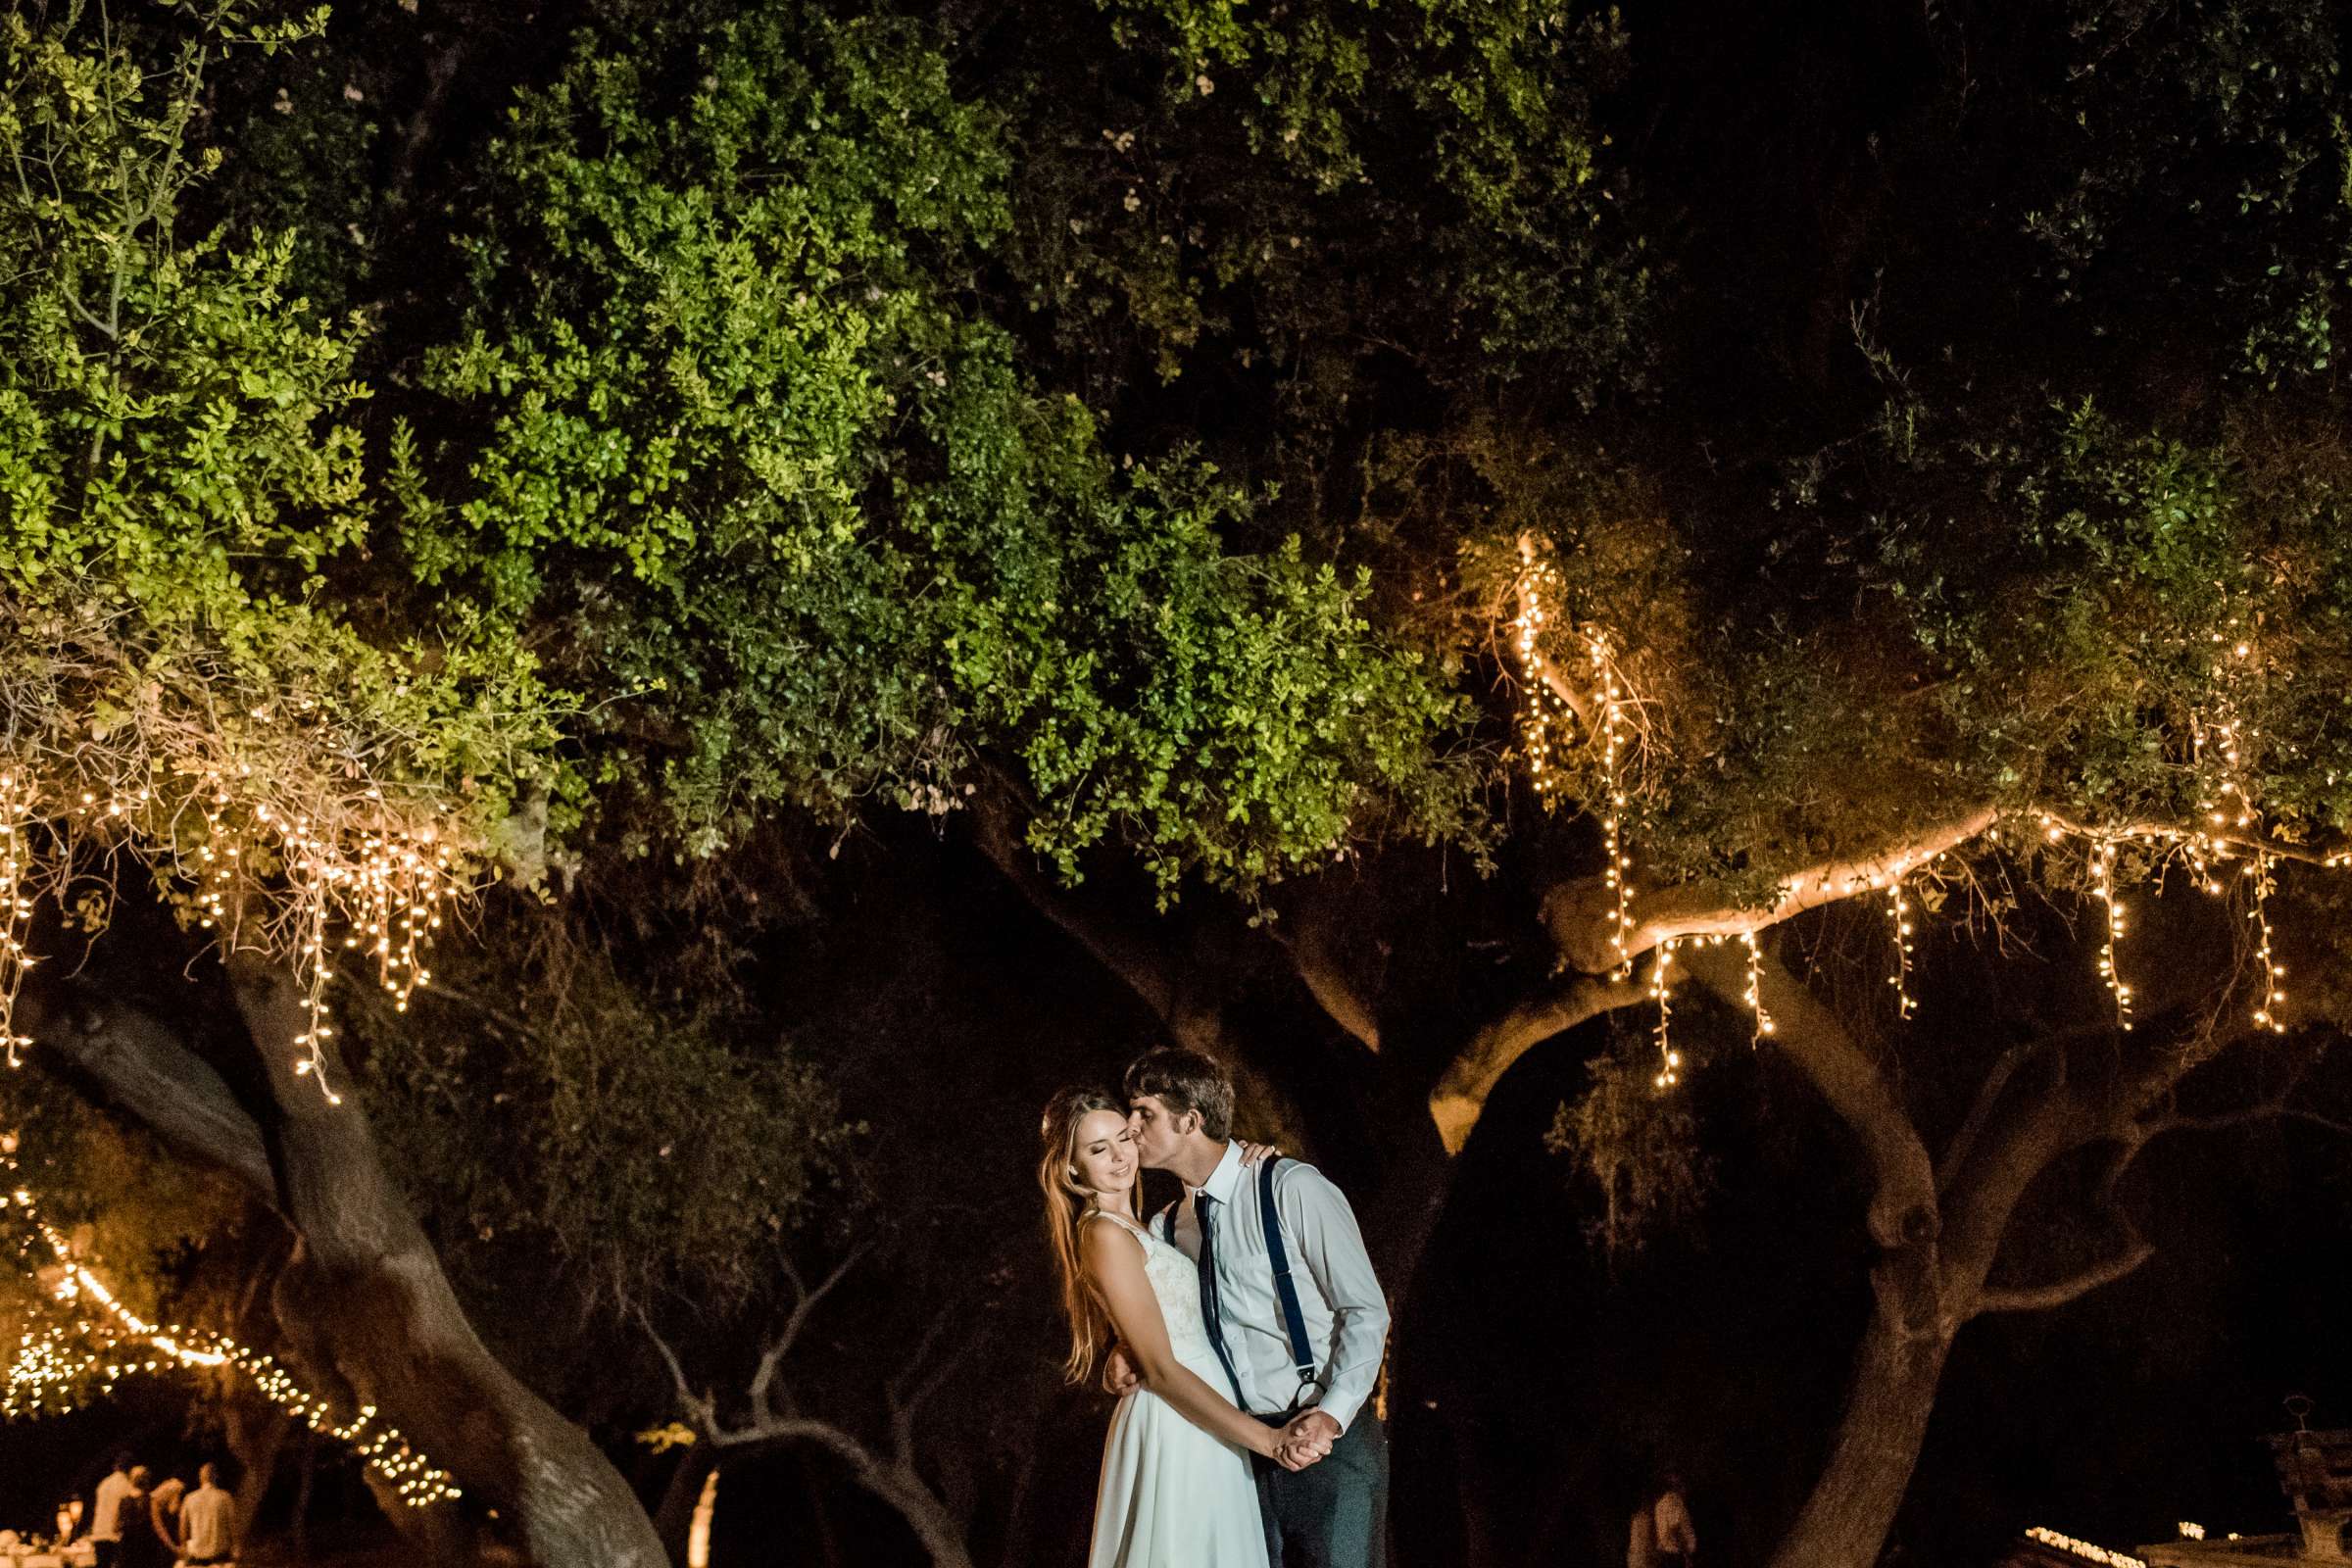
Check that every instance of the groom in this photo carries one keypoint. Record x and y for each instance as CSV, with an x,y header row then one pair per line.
x,y
1296,1315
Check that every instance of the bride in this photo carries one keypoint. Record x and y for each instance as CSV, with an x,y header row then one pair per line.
x,y
1177,1488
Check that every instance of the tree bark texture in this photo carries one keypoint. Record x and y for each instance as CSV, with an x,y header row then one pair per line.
x,y
1845,1520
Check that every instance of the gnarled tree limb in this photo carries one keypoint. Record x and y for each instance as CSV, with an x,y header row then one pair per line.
x,y
146,1069
2037,1297
1460,1095
1903,1205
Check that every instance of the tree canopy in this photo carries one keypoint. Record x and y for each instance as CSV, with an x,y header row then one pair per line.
x,y
1237,468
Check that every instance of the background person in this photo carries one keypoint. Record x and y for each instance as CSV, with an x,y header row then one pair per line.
x,y
106,1512
208,1521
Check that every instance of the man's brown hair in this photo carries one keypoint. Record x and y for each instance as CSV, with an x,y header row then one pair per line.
x,y
1185,1080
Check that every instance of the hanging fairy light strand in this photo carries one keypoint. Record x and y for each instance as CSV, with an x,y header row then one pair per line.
x,y
1755,988
48,1362
1620,867
2266,1012
2102,862
16,909
1898,917
1670,1060
385,880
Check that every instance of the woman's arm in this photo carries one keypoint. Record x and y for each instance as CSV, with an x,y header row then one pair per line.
x,y
1114,1267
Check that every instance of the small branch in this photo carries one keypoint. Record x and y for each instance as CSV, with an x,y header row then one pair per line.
x,y
1979,1110
2041,1297
1460,1095
927,1378
1322,964
804,1302
703,1408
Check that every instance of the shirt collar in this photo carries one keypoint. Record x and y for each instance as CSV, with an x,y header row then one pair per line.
x,y
1226,1177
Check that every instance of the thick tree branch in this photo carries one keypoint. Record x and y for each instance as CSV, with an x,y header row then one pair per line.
x,y
1460,1095
1579,914
2250,843
2041,1297
1988,1094
1142,963
1318,952
147,1070
1903,1206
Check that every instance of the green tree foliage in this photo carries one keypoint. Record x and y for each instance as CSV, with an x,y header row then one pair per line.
x,y
186,507
756,466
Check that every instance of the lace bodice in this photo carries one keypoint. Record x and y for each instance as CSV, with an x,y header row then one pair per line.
x,y
1176,1283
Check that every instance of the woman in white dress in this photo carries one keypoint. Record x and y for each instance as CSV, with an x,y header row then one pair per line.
x,y
1177,1488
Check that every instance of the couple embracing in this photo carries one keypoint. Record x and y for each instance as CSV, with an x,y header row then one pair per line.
x,y
1242,1328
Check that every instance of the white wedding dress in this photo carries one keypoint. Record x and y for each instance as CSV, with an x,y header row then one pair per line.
x,y
1172,1496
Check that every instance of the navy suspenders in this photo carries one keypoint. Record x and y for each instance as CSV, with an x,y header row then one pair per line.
x,y
1294,1322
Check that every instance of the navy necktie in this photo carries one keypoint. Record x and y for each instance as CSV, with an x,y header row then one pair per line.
x,y
1201,1204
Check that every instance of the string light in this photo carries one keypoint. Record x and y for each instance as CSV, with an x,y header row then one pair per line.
x,y
1755,988
1670,1060
1898,915
50,1361
383,877
2102,862
1612,747
2273,971
2084,1549
1543,714
16,909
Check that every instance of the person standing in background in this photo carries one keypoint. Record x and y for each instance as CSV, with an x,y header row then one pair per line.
x,y
163,1512
209,1519
1677,1538
105,1513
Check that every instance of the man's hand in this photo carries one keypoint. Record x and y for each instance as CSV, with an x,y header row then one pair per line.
x,y
1307,1439
1119,1376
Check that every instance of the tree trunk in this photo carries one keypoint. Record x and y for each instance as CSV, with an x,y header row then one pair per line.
x,y
1845,1521
256,1431
366,1299
673,1520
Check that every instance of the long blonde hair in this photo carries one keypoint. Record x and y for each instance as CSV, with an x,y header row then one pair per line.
x,y
1065,1207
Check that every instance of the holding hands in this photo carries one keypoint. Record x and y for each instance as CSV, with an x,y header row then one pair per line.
x,y
1307,1439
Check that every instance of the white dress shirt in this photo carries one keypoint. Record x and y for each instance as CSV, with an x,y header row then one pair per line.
x,y
205,1520
1340,1300
105,1513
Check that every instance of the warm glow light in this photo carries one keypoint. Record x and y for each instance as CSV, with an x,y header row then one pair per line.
x,y
2102,871
1755,986
1898,915
2084,1549
379,877
698,1527
48,1364
1670,1060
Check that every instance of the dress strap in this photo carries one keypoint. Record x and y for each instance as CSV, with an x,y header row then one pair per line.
x,y
1121,1221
